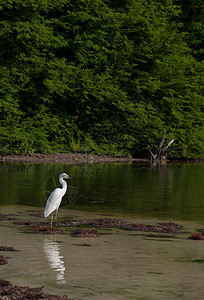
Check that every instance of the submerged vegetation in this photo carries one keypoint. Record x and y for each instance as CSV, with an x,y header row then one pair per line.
x,y
101,76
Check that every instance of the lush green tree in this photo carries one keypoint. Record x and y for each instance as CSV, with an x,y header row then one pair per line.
x,y
110,74
192,18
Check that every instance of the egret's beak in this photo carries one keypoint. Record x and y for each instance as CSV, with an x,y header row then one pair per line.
x,y
69,177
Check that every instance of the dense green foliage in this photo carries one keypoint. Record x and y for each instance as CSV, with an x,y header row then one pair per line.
x,y
103,76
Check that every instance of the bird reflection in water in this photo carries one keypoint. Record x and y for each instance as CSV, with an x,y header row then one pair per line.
x,y
52,253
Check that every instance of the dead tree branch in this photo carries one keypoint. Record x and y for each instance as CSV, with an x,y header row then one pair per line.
x,y
160,153
162,141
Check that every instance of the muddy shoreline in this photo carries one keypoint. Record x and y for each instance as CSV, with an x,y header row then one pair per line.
x,y
67,158
80,228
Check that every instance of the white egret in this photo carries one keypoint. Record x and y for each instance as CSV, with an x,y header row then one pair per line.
x,y
55,198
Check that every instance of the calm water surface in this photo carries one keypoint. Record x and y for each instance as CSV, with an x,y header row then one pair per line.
x,y
174,191
120,265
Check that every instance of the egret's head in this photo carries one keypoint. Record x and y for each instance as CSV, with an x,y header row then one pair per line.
x,y
64,176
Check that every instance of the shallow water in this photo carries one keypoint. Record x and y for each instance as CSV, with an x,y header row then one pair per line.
x,y
119,264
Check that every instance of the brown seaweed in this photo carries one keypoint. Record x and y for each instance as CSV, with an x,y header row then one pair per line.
x,y
7,217
3,260
85,232
5,248
14,292
196,236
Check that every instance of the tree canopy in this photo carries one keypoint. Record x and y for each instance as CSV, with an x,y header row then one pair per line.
x,y
102,76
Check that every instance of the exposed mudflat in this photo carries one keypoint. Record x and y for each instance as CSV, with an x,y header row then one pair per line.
x,y
69,158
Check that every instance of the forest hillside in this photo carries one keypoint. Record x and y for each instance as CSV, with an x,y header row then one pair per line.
x,y
101,76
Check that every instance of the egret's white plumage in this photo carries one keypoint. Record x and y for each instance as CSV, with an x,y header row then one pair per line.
x,y
55,198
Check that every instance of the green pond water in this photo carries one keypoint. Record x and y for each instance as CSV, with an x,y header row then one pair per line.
x,y
118,264
174,191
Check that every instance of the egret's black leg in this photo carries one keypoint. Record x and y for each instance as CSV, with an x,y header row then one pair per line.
x,y
51,219
56,218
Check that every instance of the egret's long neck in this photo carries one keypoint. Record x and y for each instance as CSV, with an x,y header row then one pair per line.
x,y
64,185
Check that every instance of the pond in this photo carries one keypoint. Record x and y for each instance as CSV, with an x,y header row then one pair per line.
x,y
118,264
172,191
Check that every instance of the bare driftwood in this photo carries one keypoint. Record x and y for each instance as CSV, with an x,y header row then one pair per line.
x,y
160,153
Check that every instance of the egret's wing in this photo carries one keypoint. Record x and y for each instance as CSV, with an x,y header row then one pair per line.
x,y
70,196
53,202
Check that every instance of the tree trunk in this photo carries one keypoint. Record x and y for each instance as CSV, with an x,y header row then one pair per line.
x,y
160,155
